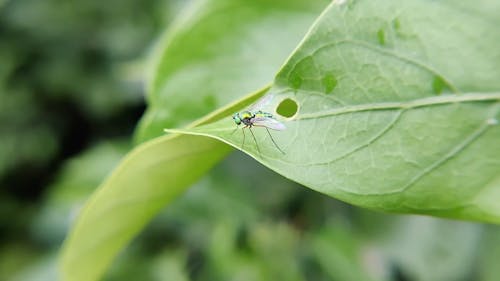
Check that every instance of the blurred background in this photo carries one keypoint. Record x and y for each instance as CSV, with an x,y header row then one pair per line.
x,y
71,94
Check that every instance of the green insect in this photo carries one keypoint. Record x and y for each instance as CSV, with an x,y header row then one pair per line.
x,y
258,118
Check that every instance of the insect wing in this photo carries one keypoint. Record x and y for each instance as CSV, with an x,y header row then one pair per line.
x,y
268,123
260,104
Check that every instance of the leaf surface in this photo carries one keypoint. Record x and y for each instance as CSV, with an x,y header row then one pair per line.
x,y
398,109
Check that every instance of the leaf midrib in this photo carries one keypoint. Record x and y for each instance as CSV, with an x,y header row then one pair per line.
x,y
428,101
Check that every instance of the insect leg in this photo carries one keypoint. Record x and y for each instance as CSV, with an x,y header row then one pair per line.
x,y
243,142
236,129
255,140
274,141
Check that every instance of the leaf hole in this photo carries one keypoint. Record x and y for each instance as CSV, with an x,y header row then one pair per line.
x,y
287,108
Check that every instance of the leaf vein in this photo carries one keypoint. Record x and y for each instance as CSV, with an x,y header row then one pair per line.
x,y
484,126
373,139
372,47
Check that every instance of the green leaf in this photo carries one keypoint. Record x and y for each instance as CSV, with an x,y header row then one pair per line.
x,y
147,179
398,109
202,65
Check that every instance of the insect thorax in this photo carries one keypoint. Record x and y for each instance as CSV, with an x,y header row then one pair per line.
x,y
244,117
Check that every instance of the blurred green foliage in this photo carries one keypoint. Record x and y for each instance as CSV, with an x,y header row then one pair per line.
x,y
68,79
70,96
